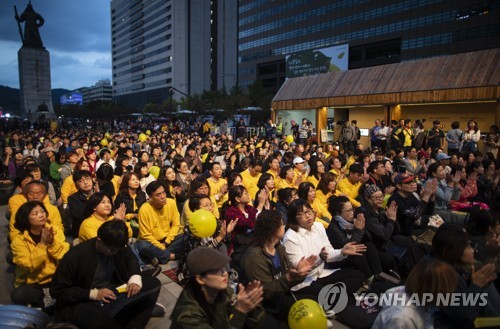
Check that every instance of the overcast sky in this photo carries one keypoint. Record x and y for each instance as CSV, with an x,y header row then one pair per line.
x,y
76,33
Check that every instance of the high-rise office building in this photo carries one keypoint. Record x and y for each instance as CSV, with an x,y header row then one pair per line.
x,y
377,32
189,45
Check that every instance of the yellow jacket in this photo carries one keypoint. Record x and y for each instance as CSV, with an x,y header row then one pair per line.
x,y
53,218
352,191
89,227
313,180
156,225
321,209
250,183
68,188
215,189
37,263
298,173
283,183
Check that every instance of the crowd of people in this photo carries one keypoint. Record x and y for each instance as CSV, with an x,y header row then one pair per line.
x,y
94,211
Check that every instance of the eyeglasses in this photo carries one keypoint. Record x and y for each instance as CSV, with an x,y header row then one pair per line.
x,y
378,197
309,212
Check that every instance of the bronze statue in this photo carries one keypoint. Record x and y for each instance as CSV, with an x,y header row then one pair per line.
x,y
33,21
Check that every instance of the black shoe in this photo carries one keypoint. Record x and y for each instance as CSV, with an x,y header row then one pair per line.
x,y
389,278
158,311
150,270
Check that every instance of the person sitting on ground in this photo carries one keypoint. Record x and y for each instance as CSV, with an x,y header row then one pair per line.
x,y
317,170
36,191
307,192
380,223
77,201
18,198
159,224
239,208
251,177
36,171
199,186
429,280
285,197
37,252
106,181
286,178
191,241
351,184
413,209
451,244
266,262
133,197
88,279
266,185
69,187
347,227
218,185
206,299
98,210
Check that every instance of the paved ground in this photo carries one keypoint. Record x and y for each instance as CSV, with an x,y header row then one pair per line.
x,y
170,290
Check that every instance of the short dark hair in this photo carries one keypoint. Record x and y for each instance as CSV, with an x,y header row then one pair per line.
x,y
113,233
336,204
356,168
256,162
266,225
22,220
79,174
263,180
449,243
105,172
304,189
294,209
284,170
94,200
194,202
196,184
153,187
373,166
286,194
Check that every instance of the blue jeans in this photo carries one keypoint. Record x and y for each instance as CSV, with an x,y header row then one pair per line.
x,y
146,251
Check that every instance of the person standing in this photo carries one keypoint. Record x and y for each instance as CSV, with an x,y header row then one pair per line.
x,y
374,140
435,137
471,137
454,137
492,141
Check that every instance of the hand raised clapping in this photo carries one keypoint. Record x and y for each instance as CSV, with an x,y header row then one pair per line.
x,y
250,297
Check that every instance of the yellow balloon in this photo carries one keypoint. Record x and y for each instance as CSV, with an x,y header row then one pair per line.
x,y
306,314
143,137
107,135
155,171
148,132
202,223
104,142
289,139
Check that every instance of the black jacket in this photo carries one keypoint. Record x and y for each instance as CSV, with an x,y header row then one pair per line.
x,y
338,237
124,197
76,205
378,226
75,274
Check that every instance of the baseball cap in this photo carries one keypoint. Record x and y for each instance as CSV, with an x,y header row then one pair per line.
x,y
442,156
298,160
403,178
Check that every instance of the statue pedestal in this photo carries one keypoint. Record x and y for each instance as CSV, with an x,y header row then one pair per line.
x,y
35,84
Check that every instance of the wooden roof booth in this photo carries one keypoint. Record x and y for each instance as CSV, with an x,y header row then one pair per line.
x,y
447,88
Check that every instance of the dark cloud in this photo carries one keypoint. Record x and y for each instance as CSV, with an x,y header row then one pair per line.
x,y
72,29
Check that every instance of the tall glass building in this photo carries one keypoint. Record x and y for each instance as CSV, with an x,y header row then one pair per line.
x,y
376,31
159,44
